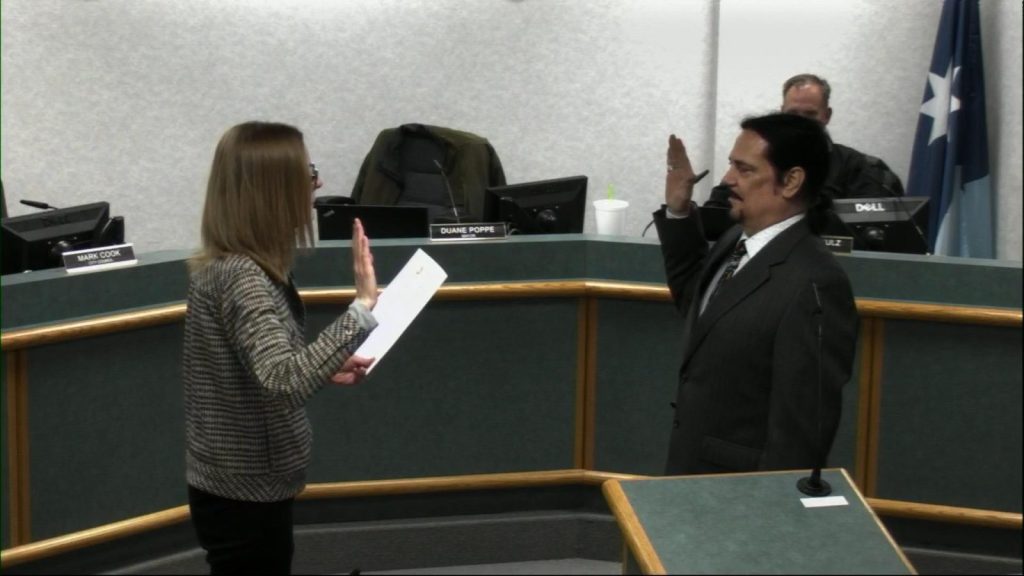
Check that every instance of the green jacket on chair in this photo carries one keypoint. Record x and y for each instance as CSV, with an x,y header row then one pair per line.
x,y
470,166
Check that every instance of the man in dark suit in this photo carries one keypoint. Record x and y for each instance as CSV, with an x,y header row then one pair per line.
x,y
770,321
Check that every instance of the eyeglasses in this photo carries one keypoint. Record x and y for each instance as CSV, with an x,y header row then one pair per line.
x,y
314,172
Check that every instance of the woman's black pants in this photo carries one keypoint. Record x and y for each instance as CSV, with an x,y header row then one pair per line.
x,y
243,537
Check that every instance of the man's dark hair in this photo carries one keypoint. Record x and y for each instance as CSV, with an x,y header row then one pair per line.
x,y
795,141
805,79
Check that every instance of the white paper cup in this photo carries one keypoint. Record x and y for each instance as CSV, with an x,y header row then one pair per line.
x,y
611,216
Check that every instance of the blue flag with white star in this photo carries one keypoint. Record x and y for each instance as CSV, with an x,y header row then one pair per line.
x,y
950,158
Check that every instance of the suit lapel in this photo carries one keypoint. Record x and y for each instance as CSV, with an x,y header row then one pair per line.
x,y
754,274
718,253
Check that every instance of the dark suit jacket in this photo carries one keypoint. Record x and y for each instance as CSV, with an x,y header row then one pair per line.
x,y
748,396
853,174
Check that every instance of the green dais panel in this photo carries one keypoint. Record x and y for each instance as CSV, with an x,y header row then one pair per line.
x,y
626,259
5,471
53,296
950,416
106,438
844,448
470,388
639,348
520,258
50,296
939,279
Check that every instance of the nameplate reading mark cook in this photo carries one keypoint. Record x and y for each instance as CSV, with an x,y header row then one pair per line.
x,y
96,259
475,231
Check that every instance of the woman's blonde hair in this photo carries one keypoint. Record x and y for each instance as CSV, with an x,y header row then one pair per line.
x,y
258,198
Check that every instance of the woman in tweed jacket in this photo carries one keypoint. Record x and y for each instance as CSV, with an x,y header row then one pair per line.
x,y
248,370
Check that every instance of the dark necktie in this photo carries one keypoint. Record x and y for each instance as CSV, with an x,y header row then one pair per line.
x,y
730,266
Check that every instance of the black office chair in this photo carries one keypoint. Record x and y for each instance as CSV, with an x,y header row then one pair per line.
x,y
421,161
442,169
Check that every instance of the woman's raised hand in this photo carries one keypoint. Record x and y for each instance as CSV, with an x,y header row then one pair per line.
x,y
362,266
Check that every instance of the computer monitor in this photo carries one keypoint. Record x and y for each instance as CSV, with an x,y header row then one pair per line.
x,y
334,221
552,206
886,224
37,241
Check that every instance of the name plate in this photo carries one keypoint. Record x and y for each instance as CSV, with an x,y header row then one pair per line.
x,y
474,231
838,244
96,259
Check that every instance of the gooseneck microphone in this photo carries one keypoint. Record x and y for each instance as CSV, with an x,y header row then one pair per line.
x,y
448,186
813,485
40,205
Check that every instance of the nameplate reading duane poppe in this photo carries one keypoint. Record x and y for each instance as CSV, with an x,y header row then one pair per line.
x,y
96,259
475,231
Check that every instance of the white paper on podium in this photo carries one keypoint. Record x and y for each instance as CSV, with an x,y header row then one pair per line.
x,y
824,502
400,303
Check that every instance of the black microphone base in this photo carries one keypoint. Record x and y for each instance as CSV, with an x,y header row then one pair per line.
x,y
814,486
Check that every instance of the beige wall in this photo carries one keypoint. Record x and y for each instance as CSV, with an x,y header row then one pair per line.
x,y
123,100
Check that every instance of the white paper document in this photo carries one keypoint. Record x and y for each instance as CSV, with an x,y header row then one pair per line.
x,y
400,303
824,502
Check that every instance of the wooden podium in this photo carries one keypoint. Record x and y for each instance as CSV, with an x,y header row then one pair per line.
x,y
753,523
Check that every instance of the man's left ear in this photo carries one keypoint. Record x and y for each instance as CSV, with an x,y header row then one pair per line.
x,y
792,182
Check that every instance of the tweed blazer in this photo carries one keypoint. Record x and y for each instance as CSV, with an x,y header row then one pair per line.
x,y
248,373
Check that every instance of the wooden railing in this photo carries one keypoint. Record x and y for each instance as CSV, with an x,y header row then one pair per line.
x,y
868,308
382,488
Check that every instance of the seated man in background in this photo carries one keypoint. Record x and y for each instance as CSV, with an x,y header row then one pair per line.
x,y
852,174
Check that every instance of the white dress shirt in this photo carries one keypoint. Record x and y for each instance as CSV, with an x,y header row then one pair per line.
x,y
754,245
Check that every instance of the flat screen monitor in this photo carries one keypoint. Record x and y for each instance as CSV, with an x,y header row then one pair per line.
x,y
886,224
37,241
552,206
334,221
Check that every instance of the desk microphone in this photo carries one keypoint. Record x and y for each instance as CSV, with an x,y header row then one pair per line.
x,y
40,205
451,197
813,485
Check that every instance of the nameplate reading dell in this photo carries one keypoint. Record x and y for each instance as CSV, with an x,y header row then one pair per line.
x,y
474,231
96,259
